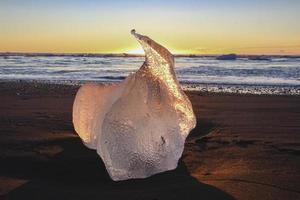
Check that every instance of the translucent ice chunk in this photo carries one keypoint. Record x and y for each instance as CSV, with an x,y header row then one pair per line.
x,y
139,126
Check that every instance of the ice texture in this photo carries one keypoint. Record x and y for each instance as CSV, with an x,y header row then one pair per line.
x,y
138,126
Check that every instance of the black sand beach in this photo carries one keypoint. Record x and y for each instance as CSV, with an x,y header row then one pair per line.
x,y
244,147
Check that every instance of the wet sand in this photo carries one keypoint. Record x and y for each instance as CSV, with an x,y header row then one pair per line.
x,y
244,147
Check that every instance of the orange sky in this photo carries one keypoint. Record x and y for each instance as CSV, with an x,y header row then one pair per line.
x,y
207,27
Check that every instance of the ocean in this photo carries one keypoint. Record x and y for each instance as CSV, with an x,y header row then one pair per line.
x,y
274,75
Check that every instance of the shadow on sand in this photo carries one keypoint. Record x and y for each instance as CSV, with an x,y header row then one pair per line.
x,y
78,173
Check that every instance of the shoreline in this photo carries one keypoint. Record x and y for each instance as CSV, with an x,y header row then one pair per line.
x,y
243,147
205,88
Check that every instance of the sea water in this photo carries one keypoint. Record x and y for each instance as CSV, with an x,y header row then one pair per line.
x,y
275,75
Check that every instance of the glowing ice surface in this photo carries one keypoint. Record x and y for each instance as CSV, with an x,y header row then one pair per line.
x,y
138,126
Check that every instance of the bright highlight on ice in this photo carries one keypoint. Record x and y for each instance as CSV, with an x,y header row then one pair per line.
x,y
138,126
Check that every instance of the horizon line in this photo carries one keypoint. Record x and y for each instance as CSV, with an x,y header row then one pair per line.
x,y
6,53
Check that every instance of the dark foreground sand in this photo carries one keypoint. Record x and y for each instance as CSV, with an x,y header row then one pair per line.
x,y
244,147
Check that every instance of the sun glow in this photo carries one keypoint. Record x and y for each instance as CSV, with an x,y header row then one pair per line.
x,y
140,51
136,51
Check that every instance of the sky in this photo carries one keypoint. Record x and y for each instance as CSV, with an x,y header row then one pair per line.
x,y
185,27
